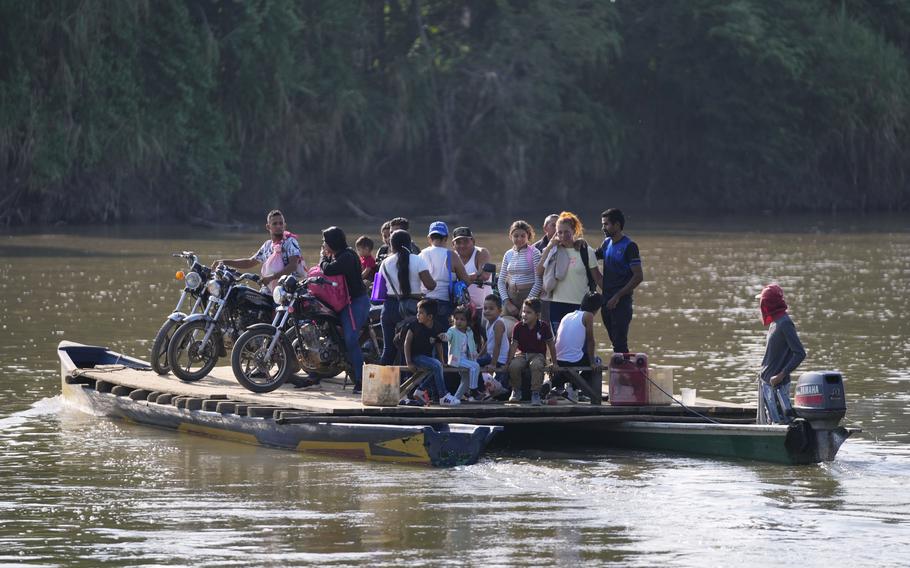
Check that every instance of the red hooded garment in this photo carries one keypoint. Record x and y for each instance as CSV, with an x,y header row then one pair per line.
x,y
772,303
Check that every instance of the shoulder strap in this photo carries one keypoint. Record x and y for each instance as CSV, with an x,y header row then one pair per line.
x,y
385,274
592,286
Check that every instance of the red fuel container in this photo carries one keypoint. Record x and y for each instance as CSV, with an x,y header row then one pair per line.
x,y
629,379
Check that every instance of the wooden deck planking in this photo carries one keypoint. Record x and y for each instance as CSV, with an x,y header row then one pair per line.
x,y
330,399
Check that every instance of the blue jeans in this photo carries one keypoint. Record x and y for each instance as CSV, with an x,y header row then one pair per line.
x,y
360,308
390,317
436,378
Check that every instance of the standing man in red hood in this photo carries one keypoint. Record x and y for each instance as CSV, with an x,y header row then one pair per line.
x,y
783,354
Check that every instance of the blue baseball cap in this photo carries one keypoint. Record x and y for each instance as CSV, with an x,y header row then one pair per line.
x,y
438,228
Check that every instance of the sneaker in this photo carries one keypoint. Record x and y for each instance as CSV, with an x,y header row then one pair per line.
x,y
545,389
516,396
449,400
571,393
535,398
422,396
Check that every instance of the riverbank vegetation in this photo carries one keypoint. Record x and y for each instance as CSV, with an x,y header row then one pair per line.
x,y
174,109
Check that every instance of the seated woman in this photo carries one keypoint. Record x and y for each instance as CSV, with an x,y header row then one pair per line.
x,y
568,267
339,258
518,277
403,272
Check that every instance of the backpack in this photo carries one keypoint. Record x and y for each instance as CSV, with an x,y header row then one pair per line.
x,y
592,286
458,290
337,297
401,332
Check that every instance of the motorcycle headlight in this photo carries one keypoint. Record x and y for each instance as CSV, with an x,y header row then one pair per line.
x,y
214,288
278,295
193,280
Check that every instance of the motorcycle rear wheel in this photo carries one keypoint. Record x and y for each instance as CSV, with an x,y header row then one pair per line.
x,y
158,356
189,359
252,370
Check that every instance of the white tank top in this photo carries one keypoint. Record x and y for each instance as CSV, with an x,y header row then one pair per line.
x,y
570,339
491,340
477,293
436,260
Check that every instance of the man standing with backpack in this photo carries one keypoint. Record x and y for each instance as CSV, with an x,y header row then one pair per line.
x,y
621,275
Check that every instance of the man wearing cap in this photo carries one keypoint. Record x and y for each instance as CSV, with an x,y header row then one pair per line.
x,y
439,258
474,258
783,354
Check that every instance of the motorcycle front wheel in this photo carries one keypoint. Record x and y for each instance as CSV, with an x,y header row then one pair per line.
x,y
191,359
158,357
253,369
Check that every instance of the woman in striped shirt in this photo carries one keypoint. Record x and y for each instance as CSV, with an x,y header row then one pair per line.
x,y
518,278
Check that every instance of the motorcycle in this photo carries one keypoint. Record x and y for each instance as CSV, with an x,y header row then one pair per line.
x,y
305,331
194,280
205,337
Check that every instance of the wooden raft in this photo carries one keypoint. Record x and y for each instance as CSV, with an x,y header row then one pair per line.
x,y
220,392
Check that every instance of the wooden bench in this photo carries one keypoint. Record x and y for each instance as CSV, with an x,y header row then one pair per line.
x,y
594,390
408,386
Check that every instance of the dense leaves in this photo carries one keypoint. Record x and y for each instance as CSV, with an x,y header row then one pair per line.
x,y
116,110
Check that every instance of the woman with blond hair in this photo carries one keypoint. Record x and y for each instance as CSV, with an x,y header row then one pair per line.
x,y
518,277
568,268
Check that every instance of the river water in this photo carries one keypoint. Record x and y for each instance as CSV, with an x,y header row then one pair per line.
x,y
82,491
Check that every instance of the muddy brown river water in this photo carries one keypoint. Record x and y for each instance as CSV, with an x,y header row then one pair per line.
x,y
82,491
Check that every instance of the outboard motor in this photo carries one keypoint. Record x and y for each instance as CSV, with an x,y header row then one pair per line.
x,y
820,399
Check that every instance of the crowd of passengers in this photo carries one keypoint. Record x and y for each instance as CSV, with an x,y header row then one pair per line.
x,y
452,306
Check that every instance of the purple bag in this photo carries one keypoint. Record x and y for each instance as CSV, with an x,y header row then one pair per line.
x,y
379,292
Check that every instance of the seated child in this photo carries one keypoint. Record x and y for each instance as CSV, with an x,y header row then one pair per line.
x,y
575,338
463,352
425,336
531,339
496,342
368,265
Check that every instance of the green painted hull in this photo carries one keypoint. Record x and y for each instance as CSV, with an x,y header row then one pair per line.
x,y
772,443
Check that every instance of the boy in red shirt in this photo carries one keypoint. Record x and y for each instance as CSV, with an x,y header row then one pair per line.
x,y
531,339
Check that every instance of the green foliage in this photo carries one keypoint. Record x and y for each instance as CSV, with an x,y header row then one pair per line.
x,y
135,110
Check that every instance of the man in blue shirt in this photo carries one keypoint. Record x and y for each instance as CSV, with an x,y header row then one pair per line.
x,y
621,275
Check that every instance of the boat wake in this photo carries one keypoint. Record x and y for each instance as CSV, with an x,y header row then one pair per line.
x,y
43,407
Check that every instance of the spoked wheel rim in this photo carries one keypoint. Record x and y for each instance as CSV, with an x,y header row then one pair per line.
x,y
161,358
192,356
258,370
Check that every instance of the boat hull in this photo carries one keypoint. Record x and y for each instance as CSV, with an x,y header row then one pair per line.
x,y
795,444
443,445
